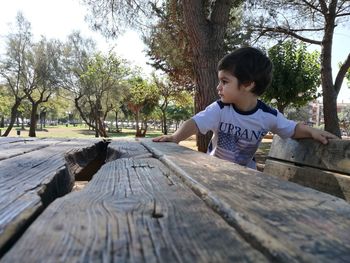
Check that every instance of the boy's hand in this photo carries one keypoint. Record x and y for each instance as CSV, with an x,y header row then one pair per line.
x,y
164,138
322,136
304,131
187,129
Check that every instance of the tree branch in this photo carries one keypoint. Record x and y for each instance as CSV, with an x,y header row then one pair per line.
x,y
292,33
344,14
312,6
341,74
323,7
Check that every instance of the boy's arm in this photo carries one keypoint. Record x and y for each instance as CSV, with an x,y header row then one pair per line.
x,y
187,129
304,131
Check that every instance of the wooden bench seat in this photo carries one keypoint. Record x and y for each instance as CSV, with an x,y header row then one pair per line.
x,y
33,173
309,163
161,202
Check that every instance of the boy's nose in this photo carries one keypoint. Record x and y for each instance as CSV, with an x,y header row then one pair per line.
x,y
218,87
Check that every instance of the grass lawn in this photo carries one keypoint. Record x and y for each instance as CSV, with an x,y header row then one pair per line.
x,y
76,132
84,132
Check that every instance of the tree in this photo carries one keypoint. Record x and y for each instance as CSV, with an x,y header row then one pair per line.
x,y
205,23
101,79
42,72
5,104
167,92
168,45
314,22
168,42
12,65
142,99
181,107
295,75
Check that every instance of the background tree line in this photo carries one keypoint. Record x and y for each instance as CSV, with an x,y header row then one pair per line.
x,y
48,75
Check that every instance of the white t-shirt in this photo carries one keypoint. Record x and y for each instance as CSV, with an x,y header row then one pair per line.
x,y
237,134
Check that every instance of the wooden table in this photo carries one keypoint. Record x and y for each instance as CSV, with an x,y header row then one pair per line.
x,y
157,202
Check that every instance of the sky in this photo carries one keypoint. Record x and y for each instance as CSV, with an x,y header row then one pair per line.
x,y
58,18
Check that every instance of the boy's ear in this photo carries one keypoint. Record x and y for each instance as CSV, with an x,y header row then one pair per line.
x,y
249,85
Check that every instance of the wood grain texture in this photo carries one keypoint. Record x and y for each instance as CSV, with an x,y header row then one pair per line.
x,y
328,182
285,221
4,141
10,147
126,148
322,167
133,210
28,182
335,156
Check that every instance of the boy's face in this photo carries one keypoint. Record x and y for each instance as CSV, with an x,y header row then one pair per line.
x,y
229,89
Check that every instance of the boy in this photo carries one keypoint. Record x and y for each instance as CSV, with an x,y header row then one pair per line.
x,y
239,120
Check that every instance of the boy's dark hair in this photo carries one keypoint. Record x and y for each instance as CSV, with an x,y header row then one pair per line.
x,y
249,64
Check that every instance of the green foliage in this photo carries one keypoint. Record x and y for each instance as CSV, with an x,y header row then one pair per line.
x,y
142,100
301,114
168,41
179,113
143,96
168,45
296,75
6,100
101,85
344,119
312,22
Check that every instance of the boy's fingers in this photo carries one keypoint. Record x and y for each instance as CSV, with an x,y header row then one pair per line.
x,y
330,136
156,139
161,139
324,140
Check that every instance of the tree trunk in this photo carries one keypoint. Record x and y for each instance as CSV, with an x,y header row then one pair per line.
x,y
137,119
33,120
329,93
206,37
2,122
14,112
102,129
165,128
116,121
96,127
22,118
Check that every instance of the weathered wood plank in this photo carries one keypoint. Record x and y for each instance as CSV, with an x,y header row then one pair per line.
x,y
133,210
311,164
335,156
18,147
328,182
6,140
124,148
287,222
29,182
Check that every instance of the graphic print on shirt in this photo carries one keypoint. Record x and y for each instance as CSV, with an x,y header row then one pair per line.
x,y
237,144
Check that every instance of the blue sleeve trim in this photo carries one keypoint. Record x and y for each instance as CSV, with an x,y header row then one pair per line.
x,y
221,104
266,108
